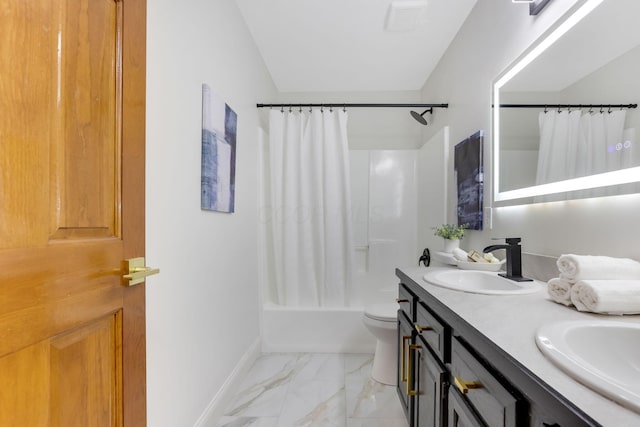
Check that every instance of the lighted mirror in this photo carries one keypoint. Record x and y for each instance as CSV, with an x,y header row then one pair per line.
x,y
565,114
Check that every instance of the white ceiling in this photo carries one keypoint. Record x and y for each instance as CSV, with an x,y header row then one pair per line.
x,y
342,45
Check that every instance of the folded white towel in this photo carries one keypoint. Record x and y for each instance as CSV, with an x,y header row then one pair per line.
x,y
574,268
560,290
607,296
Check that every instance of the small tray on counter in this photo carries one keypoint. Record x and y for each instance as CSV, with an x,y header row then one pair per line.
x,y
482,266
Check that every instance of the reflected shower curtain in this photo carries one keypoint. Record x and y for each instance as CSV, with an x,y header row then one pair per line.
x,y
602,138
559,136
573,144
310,207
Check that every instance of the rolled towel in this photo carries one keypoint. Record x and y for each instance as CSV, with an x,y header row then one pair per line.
x,y
607,296
460,254
574,268
560,290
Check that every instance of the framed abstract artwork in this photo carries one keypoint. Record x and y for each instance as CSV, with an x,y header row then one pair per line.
x,y
219,130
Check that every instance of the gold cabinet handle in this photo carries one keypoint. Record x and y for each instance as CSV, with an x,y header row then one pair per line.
x,y
404,357
421,329
410,391
398,300
465,386
136,271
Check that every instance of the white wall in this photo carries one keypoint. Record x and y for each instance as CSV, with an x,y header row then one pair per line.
x,y
202,310
495,33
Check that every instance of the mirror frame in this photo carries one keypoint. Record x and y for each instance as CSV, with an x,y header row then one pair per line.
x,y
623,176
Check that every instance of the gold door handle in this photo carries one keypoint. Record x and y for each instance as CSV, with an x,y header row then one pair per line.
x,y
465,386
136,271
410,391
421,329
404,357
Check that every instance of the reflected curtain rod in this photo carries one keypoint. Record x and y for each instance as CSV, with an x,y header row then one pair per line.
x,y
578,106
347,105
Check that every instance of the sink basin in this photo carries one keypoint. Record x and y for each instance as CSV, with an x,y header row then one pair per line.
x,y
479,282
602,354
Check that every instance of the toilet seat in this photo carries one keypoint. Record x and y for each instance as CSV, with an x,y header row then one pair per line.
x,y
382,312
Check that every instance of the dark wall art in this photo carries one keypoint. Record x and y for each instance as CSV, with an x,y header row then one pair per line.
x,y
469,175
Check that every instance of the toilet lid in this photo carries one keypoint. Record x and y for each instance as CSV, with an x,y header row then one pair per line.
x,y
383,312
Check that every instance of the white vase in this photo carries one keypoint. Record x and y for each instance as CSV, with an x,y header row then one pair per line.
x,y
450,245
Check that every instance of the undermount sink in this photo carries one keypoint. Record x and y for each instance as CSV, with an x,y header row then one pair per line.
x,y
480,282
602,354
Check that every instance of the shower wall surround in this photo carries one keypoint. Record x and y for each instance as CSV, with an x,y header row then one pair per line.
x,y
384,218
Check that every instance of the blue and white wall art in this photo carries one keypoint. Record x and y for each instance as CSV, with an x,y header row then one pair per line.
x,y
219,129
470,180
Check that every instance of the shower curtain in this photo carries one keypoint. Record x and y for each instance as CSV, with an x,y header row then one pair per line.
x,y
310,207
573,144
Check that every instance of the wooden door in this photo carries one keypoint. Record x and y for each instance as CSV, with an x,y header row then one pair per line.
x,y
72,117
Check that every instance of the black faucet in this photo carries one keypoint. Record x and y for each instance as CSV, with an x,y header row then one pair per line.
x,y
514,258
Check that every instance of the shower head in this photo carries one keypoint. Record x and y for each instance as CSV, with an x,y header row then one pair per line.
x,y
420,117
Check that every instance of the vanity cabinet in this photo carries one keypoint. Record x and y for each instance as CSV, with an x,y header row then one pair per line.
x,y
449,374
423,343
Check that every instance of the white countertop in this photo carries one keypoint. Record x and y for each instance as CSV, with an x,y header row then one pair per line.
x,y
511,322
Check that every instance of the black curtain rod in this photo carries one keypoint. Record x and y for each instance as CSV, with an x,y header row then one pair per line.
x,y
334,105
578,106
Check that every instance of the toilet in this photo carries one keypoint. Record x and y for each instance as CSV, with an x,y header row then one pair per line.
x,y
381,320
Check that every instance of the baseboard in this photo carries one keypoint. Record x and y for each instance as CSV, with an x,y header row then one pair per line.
x,y
215,408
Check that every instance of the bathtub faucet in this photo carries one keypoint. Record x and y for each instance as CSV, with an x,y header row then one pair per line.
x,y
514,258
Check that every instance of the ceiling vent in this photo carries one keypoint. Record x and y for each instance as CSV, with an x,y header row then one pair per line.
x,y
405,15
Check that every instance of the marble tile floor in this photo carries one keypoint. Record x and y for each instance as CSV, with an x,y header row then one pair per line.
x,y
313,390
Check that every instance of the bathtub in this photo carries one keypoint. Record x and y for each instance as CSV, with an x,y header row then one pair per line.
x,y
315,330
322,330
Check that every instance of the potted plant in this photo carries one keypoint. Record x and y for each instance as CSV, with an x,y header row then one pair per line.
x,y
451,234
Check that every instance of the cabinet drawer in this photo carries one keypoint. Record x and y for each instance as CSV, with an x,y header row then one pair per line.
x,y
407,302
435,332
491,400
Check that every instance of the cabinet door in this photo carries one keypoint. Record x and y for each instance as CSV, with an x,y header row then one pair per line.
x,y
405,336
429,387
459,414
490,398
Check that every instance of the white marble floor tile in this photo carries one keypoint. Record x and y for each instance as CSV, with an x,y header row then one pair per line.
x,y
371,399
358,366
313,403
313,390
377,422
263,391
321,366
248,422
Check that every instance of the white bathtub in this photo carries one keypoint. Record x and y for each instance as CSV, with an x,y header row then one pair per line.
x,y
322,330
315,330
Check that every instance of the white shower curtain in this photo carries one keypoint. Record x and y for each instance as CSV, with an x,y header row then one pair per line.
x,y
573,144
310,207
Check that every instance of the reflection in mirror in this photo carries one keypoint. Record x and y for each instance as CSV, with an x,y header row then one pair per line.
x,y
590,61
